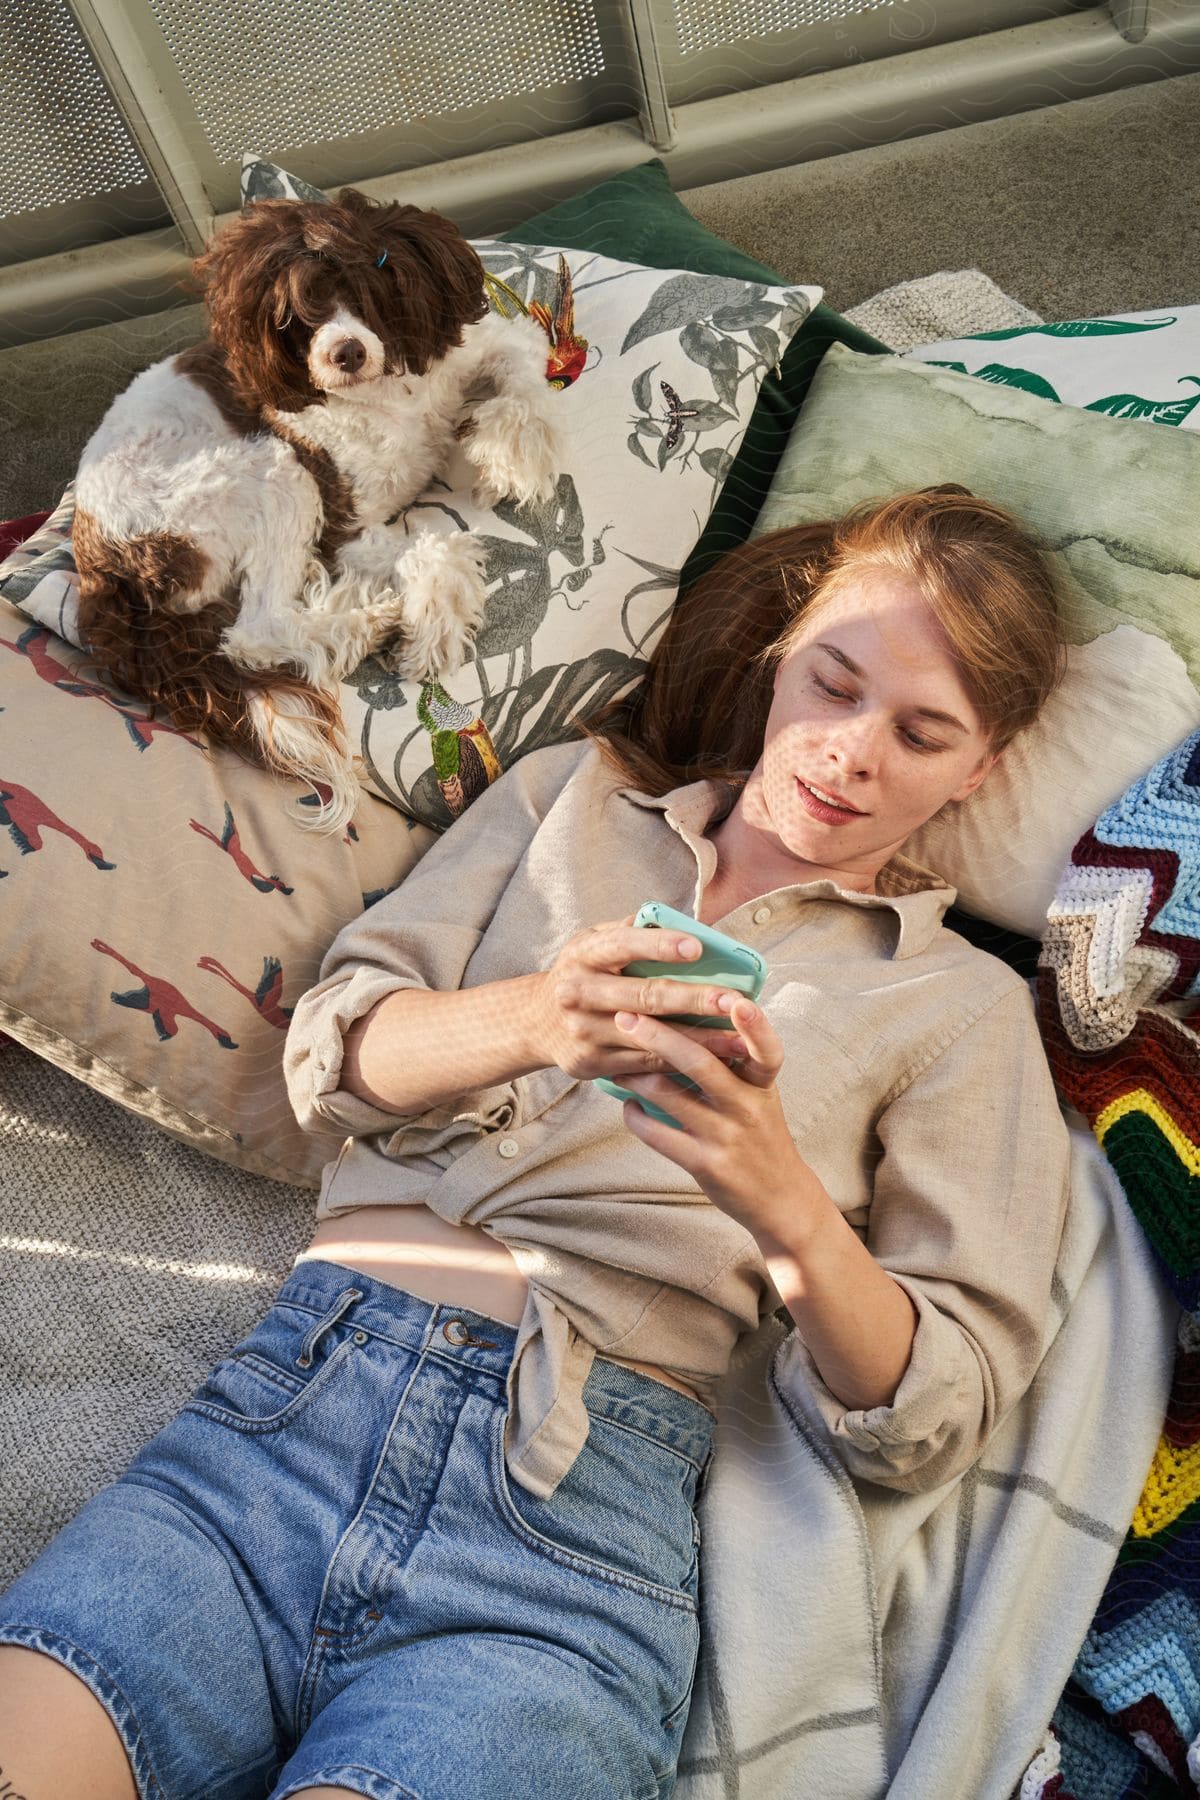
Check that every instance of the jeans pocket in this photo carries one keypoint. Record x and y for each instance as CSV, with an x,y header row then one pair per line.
x,y
676,1719
275,1373
622,1513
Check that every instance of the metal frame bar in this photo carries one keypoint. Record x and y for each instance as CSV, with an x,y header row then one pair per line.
x,y
654,111
143,84
1132,19
771,54
135,58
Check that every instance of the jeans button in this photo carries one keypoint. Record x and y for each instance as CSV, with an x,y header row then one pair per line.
x,y
459,1333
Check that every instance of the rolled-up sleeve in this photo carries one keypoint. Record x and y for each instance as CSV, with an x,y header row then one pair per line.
x,y
423,934
970,1194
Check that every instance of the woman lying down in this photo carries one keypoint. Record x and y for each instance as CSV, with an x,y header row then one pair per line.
x,y
431,1530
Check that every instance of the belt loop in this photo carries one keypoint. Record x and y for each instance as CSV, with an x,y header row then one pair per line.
x,y
341,1305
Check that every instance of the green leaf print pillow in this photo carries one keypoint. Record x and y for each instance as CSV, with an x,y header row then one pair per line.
x,y
1116,502
1143,365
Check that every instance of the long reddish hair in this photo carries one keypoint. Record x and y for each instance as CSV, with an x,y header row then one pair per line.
x,y
702,708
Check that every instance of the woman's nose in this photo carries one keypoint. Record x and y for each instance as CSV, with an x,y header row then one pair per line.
x,y
855,747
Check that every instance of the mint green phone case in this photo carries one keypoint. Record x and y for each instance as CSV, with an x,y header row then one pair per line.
x,y
723,962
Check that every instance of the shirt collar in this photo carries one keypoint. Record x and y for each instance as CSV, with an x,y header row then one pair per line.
x,y
916,896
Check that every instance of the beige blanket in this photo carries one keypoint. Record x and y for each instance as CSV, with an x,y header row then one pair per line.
x,y
861,1642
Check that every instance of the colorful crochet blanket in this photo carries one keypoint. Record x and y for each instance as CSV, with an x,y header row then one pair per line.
x,y
1119,1006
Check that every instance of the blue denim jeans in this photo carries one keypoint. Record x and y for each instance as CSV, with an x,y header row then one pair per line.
x,y
321,1572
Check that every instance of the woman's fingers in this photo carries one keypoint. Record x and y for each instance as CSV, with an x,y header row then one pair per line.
x,y
591,974
615,942
725,1044
671,1047
588,985
764,1047
760,1061
666,999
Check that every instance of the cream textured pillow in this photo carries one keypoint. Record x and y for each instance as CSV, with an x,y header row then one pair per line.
x,y
1116,502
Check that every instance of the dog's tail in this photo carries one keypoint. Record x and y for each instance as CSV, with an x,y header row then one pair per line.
x,y
272,717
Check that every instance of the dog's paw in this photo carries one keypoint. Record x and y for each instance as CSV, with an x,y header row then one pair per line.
x,y
434,654
487,495
444,596
541,462
515,451
386,611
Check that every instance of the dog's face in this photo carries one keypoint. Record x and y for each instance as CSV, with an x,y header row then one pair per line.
x,y
309,298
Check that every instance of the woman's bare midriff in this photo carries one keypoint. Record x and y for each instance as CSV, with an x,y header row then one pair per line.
x,y
412,1248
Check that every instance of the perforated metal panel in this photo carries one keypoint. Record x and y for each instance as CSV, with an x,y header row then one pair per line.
x,y
61,137
288,72
711,47
704,24
125,116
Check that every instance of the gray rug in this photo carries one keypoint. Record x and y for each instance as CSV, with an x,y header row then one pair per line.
x,y
128,1263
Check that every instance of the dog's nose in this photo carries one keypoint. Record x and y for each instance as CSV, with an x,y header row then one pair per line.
x,y
349,355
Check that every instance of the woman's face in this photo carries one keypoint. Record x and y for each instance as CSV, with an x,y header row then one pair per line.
x,y
870,732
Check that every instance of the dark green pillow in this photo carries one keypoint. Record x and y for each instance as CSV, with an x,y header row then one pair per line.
x,y
636,218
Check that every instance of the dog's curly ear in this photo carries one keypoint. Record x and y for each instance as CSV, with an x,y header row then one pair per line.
x,y
436,281
246,277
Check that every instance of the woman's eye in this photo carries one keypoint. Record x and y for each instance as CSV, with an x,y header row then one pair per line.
x,y
911,737
834,693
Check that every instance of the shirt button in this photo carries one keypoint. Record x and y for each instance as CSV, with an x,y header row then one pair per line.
x,y
762,914
508,1146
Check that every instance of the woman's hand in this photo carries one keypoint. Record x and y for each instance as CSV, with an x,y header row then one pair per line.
x,y
577,998
734,1141
857,1322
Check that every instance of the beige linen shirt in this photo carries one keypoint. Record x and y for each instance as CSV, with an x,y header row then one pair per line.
x,y
914,1084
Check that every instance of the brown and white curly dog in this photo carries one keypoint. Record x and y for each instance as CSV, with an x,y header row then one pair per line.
x,y
234,530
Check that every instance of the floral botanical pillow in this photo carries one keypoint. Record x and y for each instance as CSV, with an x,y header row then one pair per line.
x,y
1143,365
658,373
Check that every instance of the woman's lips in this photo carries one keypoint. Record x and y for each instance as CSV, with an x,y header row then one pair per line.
x,y
820,809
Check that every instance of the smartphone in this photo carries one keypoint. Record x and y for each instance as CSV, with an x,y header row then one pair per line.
x,y
722,962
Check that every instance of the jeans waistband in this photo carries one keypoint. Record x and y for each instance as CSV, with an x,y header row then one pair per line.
x,y
333,1293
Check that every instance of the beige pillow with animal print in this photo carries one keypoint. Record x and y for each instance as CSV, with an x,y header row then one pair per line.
x,y
162,914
